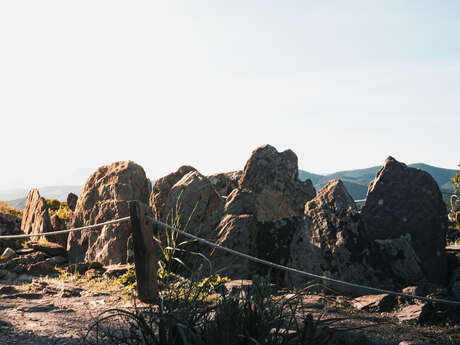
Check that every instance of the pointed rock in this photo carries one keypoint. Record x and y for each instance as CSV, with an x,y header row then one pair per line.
x,y
403,200
35,219
273,177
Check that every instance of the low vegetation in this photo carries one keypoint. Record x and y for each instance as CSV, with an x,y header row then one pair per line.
x,y
7,209
183,317
59,208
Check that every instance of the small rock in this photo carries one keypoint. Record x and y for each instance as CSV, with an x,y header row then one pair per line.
x,y
8,253
116,271
382,302
50,248
43,308
70,292
415,313
8,290
82,267
414,290
24,296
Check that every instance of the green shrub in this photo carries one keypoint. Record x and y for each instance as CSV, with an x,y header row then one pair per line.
x,y
7,209
56,207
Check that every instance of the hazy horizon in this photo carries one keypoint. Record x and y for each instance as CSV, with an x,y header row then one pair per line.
x,y
342,84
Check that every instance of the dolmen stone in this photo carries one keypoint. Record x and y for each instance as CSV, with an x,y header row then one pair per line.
x,y
72,201
105,197
404,202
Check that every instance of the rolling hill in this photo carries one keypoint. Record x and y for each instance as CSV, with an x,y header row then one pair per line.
x,y
356,181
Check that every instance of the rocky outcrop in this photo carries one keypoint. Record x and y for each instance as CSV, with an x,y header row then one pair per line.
x,y
105,197
35,219
162,187
194,205
225,183
403,200
331,240
72,201
273,178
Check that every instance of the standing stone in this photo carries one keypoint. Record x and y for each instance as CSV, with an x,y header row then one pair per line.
x,y
332,241
273,177
194,205
162,187
403,200
35,219
105,197
225,183
72,201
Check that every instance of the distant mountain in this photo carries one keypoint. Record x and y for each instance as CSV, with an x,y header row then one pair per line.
x,y
357,181
17,197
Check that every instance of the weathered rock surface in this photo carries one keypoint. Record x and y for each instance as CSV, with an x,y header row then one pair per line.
x,y
58,224
234,232
162,187
273,178
72,201
403,200
35,219
332,241
194,205
225,183
105,197
240,201
50,248
414,313
9,224
400,260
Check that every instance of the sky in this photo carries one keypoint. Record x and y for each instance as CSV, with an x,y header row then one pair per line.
x,y
343,84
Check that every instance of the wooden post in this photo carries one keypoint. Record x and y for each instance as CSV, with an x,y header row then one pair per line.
x,y
144,252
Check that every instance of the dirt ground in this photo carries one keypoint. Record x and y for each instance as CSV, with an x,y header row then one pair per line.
x,y
60,312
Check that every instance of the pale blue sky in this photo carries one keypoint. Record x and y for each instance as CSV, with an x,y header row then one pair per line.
x,y
343,84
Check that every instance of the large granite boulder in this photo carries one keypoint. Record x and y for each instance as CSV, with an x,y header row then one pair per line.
x,y
162,187
273,177
105,197
332,241
35,218
194,205
403,200
225,183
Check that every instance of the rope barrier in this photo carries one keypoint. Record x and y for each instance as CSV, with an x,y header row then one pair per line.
x,y
294,270
120,220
